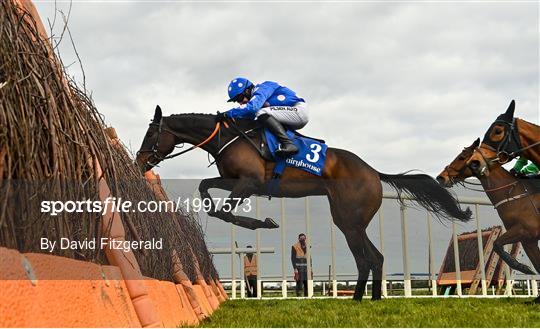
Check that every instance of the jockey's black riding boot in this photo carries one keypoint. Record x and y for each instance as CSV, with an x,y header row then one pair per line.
x,y
286,147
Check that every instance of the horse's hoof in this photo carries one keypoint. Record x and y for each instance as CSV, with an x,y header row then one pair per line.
x,y
376,298
270,223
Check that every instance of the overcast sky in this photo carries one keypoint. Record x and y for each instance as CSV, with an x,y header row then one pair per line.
x,y
403,85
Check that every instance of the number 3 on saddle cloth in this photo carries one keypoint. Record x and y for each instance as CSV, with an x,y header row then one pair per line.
x,y
310,157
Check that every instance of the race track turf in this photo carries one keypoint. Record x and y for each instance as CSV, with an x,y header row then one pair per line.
x,y
469,312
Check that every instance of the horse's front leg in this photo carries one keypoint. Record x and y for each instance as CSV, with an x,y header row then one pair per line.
x,y
216,182
513,235
241,189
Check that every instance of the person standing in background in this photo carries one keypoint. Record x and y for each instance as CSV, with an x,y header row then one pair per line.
x,y
250,273
299,263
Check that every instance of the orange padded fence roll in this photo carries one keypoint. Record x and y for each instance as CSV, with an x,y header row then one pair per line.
x,y
39,290
126,261
169,304
220,287
180,277
197,300
203,300
212,299
186,305
200,281
216,291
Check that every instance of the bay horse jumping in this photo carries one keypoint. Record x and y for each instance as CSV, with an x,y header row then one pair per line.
x,y
517,201
352,187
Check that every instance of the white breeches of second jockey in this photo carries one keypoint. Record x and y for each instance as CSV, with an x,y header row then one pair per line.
x,y
295,117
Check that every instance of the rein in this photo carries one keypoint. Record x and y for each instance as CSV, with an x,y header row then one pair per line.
x,y
510,185
208,139
462,183
244,134
217,131
511,140
502,187
160,158
513,154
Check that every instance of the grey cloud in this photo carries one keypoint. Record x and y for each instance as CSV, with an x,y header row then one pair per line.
x,y
402,85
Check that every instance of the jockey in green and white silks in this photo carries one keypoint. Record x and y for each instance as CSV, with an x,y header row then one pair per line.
x,y
273,105
523,167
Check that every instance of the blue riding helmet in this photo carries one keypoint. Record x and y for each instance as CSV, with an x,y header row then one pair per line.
x,y
237,86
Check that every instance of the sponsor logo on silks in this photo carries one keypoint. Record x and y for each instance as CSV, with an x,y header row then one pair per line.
x,y
284,108
311,156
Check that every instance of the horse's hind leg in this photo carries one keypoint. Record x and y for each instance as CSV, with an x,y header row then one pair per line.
x,y
376,260
372,259
533,252
356,244
513,235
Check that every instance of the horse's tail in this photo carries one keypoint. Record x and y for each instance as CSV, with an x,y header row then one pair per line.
x,y
429,194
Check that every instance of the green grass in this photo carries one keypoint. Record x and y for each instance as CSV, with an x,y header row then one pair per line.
x,y
425,312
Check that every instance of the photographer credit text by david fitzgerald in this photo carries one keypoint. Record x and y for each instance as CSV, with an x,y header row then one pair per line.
x,y
103,243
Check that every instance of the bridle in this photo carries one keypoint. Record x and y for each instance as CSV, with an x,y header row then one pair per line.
x,y
511,186
154,149
510,146
453,173
489,162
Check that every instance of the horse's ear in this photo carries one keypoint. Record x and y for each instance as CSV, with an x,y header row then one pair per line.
x,y
157,114
508,116
476,143
510,111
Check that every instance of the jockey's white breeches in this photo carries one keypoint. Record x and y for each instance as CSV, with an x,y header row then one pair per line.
x,y
294,117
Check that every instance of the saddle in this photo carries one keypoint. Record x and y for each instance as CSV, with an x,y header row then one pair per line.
x,y
264,148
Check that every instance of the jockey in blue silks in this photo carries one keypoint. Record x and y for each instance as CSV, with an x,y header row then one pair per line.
x,y
273,105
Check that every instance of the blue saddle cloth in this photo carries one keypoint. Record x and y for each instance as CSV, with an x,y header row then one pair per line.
x,y
311,156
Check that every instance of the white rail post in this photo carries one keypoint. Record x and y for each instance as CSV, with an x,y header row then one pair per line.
x,y
259,279
283,252
242,282
381,245
333,247
404,234
233,265
308,248
534,287
431,262
456,260
481,259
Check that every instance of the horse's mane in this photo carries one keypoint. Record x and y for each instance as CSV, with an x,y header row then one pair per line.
x,y
241,123
531,123
192,114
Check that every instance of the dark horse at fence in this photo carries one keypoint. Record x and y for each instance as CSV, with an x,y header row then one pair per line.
x,y
353,188
517,201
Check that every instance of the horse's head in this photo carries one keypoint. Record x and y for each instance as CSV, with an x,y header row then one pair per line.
x,y
458,170
500,137
483,160
155,145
